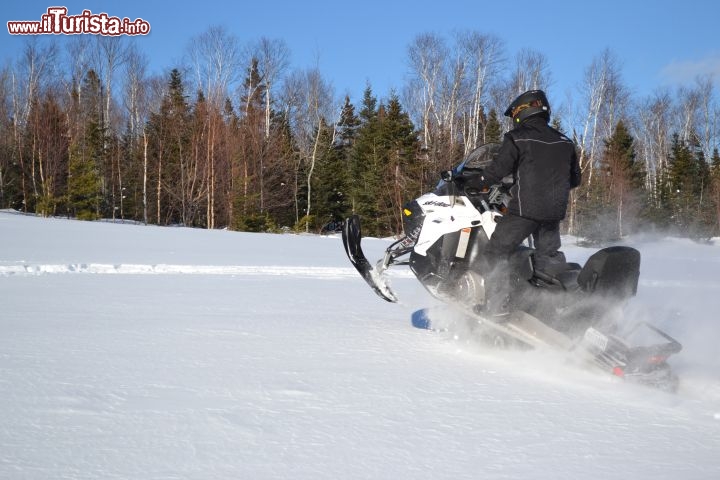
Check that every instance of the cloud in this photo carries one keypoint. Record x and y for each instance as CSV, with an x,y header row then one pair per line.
x,y
686,71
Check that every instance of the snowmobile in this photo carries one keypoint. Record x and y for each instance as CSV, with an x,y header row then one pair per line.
x,y
568,307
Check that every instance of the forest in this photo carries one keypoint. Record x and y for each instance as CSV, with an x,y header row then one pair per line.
x,y
235,137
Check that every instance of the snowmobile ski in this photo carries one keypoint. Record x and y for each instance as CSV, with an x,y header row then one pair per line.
x,y
352,236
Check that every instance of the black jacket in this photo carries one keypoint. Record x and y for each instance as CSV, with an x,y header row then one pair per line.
x,y
545,168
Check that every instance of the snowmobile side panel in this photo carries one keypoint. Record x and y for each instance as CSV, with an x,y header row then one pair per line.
x,y
528,326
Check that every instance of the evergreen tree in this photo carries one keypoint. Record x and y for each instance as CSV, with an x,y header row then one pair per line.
x,y
369,109
385,168
611,206
87,153
703,224
400,141
250,212
332,182
366,165
169,136
493,128
348,125
687,181
624,178
253,90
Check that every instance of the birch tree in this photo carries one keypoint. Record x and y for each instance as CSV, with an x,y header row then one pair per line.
x,y
599,90
273,58
532,72
110,55
427,56
6,144
312,108
215,59
136,102
484,57
36,65
707,115
653,129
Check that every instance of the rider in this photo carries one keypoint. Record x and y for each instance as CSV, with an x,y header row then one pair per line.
x,y
544,165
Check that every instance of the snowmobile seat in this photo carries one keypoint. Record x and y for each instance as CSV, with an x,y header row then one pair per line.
x,y
562,275
612,271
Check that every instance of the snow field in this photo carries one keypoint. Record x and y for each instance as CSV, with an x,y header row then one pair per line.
x,y
168,353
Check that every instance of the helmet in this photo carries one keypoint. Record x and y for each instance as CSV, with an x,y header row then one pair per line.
x,y
532,102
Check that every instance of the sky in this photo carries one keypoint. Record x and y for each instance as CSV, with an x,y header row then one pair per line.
x,y
144,352
659,43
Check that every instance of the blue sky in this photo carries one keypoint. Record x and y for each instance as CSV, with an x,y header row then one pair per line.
x,y
658,42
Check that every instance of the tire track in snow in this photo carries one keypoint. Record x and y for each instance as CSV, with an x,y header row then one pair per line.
x,y
25,269
169,269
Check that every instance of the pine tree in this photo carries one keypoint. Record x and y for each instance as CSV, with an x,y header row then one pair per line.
x,y
703,224
348,125
329,184
366,167
688,177
400,140
612,205
87,153
624,178
493,129
333,178
385,167
169,136
249,209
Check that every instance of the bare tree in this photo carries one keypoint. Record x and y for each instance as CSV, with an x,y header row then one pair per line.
x,y
273,59
600,86
696,115
484,57
137,108
268,61
707,114
532,72
110,55
310,102
427,55
654,114
215,61
215,58
36,65
47,128
602,98
5,131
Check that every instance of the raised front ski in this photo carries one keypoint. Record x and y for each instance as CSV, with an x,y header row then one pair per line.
x,y
352,236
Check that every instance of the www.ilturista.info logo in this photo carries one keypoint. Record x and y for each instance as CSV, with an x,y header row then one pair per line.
x,y
57,22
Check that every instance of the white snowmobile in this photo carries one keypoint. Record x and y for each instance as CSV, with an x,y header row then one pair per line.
x,y
571,308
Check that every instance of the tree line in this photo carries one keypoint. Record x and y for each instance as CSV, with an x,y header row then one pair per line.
x,y
233,137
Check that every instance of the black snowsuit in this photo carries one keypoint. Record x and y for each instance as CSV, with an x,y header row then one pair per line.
x,y
545,168
544,165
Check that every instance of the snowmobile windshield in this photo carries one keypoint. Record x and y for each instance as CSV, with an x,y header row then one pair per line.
x,y
472,164
479,158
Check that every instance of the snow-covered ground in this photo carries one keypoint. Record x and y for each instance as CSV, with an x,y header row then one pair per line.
x,y
138,352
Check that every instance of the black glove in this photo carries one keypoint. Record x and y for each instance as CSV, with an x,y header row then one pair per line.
x,y
477,185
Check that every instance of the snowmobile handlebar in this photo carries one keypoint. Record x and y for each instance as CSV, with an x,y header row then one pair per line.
x,y
455,182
